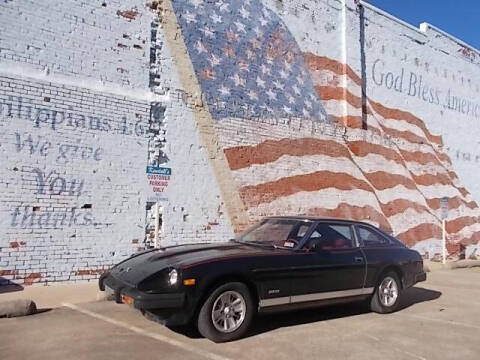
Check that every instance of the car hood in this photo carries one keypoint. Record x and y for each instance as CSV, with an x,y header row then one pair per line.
x,y
139,266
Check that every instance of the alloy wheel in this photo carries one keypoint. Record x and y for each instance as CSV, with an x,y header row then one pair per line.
x,y
228,311
388,291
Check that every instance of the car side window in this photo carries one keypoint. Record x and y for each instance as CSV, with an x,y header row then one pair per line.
x,y
371,238
296,236
330,237
302,230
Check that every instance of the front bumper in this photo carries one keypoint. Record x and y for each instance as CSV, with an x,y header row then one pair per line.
x,y
420,277
140,299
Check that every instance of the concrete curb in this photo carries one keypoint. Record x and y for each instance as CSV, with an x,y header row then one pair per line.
x,y
460,264
54,295
16,308
463,264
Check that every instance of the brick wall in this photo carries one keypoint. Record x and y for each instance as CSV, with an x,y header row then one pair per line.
x,y
107,41
387,157
75,114
73,175
88,99
92,92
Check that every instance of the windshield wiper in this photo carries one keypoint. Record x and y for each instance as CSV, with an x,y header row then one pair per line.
x,y
237,241
254,243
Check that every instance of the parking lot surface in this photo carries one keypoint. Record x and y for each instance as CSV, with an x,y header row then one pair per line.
x,y
440,319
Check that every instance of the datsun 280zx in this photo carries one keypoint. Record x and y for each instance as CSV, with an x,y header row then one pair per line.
x,y
281,263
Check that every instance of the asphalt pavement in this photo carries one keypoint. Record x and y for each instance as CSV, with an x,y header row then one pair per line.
x,y
439,319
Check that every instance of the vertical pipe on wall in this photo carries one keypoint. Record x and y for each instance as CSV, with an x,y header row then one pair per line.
x,y
344,57
157,225
361,11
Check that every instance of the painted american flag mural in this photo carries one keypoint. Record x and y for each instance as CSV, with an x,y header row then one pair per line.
x,y
246,59
261,89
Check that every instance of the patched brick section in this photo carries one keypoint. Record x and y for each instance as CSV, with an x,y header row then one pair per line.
x,y
128,14
9,272
90,272
211,224
32,278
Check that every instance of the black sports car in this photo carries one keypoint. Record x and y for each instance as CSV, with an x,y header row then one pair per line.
x,y
278,264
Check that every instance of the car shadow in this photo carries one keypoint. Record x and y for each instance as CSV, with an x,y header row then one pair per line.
x,y
265,323
269,322
7,286
416,295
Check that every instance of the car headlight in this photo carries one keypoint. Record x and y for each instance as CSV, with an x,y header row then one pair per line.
x,y
172,277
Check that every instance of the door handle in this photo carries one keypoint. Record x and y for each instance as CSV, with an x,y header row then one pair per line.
x,y
358,259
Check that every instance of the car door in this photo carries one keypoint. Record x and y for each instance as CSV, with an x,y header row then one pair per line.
x,y
273,275
332,265
378,250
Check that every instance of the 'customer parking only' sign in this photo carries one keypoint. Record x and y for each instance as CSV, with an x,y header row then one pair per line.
x,y
158,178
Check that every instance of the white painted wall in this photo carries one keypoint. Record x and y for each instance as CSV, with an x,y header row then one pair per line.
x,y
77,62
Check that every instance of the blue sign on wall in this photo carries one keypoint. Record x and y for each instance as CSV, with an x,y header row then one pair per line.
x,y
159,170
444,207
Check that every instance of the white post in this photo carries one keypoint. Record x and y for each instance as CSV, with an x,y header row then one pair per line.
x,y
444,242
157,227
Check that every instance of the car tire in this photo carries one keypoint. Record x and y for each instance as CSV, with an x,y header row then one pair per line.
x,y
227,313
386,297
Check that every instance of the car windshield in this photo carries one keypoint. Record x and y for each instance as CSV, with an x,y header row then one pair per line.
x,y
277,232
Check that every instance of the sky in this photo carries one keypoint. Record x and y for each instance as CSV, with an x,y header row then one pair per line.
x,y
460,18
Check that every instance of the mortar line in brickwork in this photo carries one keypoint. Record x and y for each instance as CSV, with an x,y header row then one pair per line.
x,y
234,205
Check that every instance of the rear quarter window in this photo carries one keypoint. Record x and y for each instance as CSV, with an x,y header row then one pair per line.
x,y
370,237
